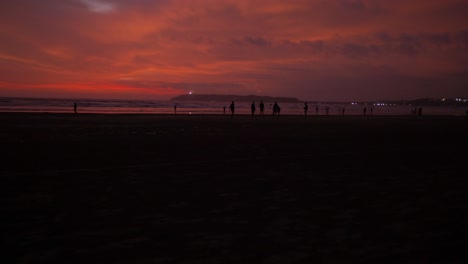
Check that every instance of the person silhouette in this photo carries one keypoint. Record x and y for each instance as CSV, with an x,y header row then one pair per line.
x,y
262,107
364,110
175,108
231,107
224,110
75,106
371,110
275,109
306,108
420,111
252,108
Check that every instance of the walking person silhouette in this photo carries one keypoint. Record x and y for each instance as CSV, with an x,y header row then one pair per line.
x,y
252,108
231,107
306,108
262,108
275,109
75,106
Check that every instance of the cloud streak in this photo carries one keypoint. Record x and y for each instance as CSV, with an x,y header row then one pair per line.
x,y
99,6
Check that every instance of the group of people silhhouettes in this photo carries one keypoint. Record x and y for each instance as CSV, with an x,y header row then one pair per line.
x,y
416,111
277,109
253,108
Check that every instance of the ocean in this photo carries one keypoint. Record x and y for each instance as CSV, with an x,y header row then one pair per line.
x,y
105,106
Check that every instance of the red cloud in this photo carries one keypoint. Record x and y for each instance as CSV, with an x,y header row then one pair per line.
x,y
300,48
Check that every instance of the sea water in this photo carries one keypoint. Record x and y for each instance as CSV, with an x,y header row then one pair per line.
x,y
104,106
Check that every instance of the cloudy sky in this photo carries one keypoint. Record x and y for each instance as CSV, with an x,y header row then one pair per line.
x,y
335,50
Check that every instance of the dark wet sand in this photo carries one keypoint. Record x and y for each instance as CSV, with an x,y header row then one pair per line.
x,y
208,189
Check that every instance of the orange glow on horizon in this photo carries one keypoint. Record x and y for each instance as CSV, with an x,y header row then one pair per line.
x,y
103,91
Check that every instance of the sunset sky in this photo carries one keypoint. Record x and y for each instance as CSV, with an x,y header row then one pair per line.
x,y
334,50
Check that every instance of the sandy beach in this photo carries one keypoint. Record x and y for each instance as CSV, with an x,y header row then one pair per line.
x,y
92,188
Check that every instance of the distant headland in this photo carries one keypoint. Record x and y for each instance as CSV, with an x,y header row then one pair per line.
x,y
237,98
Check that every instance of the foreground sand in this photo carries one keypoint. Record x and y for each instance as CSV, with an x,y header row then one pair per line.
x,y
210,189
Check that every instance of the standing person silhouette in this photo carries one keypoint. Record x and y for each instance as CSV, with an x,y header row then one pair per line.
x,y
252,108
306,107
75,106
224,110
364,110
275,109
262,108
175,108
231,107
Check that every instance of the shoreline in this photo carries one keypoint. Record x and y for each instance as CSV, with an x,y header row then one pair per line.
x,y
221,114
